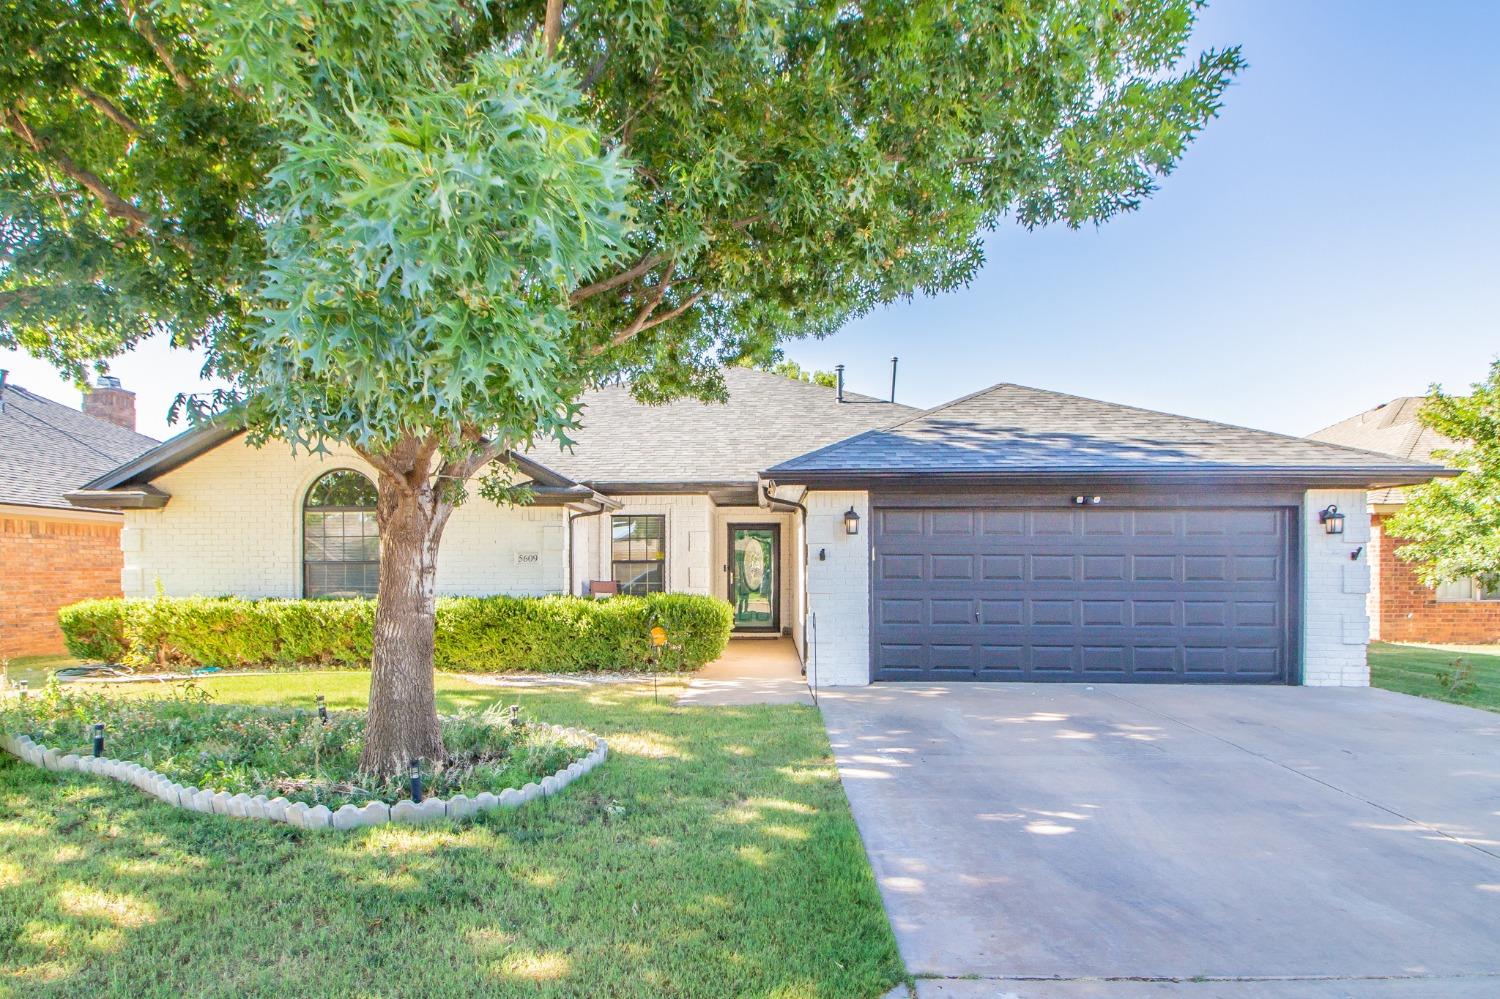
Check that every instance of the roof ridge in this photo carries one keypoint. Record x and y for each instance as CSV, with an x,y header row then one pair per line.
x,y
1180,416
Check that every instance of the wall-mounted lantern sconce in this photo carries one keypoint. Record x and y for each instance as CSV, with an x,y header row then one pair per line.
x,y
851,522
1087,500
1331,519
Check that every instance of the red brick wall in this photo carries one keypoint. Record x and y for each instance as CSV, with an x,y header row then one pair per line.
x,y
46,563
1410,611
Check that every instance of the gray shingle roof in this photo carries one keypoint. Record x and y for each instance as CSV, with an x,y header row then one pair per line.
x,y
1390,428
767,419
1016,429
49,449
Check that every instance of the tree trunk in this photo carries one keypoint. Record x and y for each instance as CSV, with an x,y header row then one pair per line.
x,y
402,724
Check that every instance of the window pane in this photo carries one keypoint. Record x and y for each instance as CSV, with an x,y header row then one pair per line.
x,y
1457,589
639,578
340,537
638,550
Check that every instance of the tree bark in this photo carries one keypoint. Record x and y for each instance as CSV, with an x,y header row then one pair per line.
x,y
402,724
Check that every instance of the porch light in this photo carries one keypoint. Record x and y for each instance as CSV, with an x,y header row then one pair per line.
x,y
1331,519
851,522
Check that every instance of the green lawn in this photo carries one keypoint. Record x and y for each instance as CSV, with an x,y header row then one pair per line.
x,y
712,855
36,669
1413,670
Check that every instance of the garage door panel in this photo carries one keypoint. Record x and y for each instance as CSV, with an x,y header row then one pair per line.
x,y
1128,595
960,611
1052,567
952,568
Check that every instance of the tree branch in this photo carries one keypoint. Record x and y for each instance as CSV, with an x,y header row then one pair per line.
x,y
627,334
552,26
116,206
141,22
595,71
687,303
384,464
108,108
638,269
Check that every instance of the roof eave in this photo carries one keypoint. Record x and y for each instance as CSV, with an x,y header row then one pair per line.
x,y
141,498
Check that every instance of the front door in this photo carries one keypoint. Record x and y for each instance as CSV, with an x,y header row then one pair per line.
x,y
754,571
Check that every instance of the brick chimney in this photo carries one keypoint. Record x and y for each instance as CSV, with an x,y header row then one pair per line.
x,y
108,401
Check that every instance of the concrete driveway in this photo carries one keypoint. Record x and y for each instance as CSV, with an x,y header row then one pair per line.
x,y
1034,840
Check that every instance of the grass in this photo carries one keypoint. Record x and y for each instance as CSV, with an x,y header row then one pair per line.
x,y
712,855
35,669
1410,669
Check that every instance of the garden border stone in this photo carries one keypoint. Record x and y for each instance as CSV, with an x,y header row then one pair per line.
x,y
297,814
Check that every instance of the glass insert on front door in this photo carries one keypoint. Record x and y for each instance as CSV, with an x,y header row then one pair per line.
x,y
753,581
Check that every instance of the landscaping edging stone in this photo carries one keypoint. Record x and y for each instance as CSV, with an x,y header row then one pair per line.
x,y
299,814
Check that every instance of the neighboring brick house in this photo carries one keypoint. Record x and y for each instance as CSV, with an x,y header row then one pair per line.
x,y
53,553
1012,534
1402,607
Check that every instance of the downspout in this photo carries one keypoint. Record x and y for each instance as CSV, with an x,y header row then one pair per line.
x,y
572,551
771,501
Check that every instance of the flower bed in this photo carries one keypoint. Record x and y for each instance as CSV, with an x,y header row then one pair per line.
x,y
288,764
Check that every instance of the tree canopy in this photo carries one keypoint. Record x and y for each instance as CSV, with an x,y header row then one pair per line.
x,y
384,218
1450,528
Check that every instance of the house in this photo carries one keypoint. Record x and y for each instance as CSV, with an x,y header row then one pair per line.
x,y
1013,534
53,553
1402,607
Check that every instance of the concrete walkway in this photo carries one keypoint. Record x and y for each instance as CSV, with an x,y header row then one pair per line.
x,y
751,671
1040,841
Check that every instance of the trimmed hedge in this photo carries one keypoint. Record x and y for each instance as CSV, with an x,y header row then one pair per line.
x,y
474,634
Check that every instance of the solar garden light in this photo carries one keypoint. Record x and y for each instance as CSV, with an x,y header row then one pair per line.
x,y
24,686
322,710
515,716
416,782
98,738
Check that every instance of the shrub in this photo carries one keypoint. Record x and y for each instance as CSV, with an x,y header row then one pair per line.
x,y
474,634
94,629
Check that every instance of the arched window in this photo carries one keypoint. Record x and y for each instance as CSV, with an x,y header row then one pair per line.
x,y
340,540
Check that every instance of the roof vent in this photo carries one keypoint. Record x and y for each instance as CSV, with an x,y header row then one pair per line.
x,y
838,375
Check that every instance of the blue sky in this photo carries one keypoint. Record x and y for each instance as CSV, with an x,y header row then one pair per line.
x,y
1327,244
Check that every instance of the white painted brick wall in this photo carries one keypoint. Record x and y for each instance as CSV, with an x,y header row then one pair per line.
x,y
838,589
234,526
1335,615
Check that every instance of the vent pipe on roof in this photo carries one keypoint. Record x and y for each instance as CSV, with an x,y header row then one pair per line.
x,y
838,376
4,373
893,378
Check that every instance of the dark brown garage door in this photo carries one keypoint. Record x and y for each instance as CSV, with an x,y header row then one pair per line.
x,y
1082,595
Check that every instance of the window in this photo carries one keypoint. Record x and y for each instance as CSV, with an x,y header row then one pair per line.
x,y
1460,590
638,553
340,539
